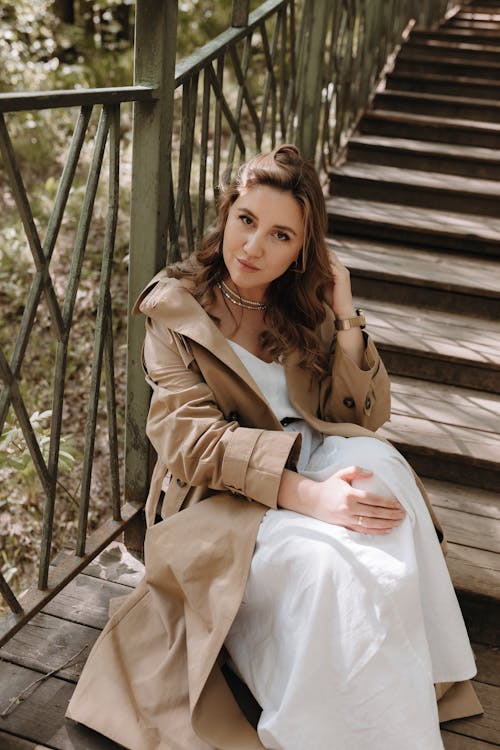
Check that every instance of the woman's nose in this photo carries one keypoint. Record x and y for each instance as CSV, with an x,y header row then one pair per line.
x,y
253,244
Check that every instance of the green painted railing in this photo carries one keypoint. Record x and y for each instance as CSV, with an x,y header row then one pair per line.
x,y
292,70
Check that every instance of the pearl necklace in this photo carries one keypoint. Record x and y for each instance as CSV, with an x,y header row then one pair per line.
x,y
236,299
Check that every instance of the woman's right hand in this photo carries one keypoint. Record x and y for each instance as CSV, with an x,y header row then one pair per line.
x,y
336,501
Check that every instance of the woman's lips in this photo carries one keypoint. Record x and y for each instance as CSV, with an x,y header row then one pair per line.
x,y
246,265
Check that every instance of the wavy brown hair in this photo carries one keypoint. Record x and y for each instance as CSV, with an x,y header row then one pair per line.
x,y
295,300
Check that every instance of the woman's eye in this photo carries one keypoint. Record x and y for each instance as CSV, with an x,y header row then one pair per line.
x,y
282,236
245,219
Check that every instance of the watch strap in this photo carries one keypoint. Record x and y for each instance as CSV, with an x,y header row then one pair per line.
x,y
348,323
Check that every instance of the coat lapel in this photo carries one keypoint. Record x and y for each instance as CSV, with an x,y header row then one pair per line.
x,y
170,301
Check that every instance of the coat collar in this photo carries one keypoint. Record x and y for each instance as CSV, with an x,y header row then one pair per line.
x,y
168,299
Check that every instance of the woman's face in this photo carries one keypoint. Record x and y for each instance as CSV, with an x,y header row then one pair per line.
x,y
263,235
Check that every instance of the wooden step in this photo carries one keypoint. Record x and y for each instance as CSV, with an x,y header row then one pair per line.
x,y
468,161
447,34
413,62
479,16
471,521
482,6
434,83
442,433
433,345
460,23
464,233
440,48
438,105
398,273
427,128
415,188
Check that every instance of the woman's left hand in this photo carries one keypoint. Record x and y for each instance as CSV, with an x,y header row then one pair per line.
x,y
338,294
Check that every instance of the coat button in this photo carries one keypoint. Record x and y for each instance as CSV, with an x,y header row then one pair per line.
x,y
349,402
181,483
368,403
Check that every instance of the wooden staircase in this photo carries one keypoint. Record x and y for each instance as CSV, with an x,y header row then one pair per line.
x,y
414,213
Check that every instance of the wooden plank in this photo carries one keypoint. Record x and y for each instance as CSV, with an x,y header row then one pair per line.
x,y
488,663
474,571
432,128
118,565
47,642
35,599
397,273
85,600
438,105
458,497
11,742
115,564
470,530
452,64
359,184
455,35
400,263
462,48
468,161
424,226
481,616
454,741
477,15
419,179
487,726
475,447
434,333
461,407
40,717
464,51
434,83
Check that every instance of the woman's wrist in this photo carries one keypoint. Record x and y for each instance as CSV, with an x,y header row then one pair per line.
x,y
296,492
345,313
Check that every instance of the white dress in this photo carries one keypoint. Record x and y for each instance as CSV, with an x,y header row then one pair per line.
x,y
341,635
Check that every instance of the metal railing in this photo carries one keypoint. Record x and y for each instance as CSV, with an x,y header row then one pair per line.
x,y
15,393
292,70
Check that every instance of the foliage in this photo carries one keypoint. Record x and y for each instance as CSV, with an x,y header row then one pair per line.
x,y
16,466
38,52
20,509
200,21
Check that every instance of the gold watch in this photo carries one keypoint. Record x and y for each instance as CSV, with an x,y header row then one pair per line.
x,y
346,325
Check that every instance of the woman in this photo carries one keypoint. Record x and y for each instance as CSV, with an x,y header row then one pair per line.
x,y
313,560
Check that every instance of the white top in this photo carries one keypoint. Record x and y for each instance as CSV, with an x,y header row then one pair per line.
x,y
271,379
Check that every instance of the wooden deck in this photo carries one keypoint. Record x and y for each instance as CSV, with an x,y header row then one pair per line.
x,y
73,621
414,214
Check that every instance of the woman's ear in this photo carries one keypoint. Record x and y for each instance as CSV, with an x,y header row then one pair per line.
x,y
298,264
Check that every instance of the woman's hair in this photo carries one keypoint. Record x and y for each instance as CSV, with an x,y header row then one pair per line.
x,y
295,299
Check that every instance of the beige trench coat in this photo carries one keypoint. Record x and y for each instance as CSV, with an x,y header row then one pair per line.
x,y
153,679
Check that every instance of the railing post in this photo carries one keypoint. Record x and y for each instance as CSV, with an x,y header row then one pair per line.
x,y
155,47
311,76
239,14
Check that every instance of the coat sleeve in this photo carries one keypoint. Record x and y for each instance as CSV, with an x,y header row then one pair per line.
x,y
350,393
194,438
